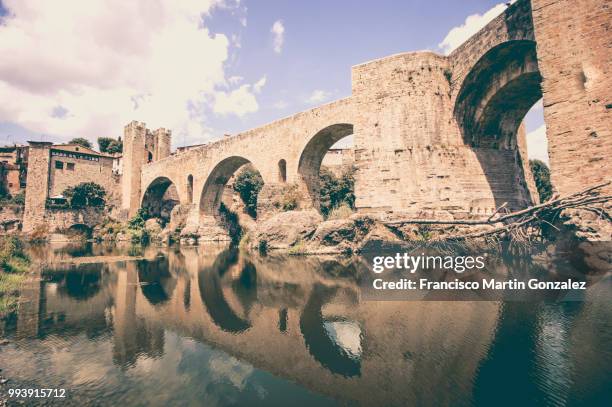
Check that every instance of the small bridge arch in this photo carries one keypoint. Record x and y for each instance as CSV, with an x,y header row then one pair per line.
x,y
313,152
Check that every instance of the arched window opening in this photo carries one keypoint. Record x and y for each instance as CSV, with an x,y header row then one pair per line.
x,y
190,188
282,171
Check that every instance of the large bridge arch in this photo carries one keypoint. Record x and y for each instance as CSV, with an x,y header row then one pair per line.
x,y
312,154
492,101
212,191
497,93
160,196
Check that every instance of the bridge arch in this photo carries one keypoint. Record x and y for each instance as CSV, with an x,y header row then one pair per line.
x,y
313,153
80,229
160,196
212,191
497,93
494,98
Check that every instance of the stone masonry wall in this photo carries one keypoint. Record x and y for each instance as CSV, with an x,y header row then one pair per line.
x,y
575,58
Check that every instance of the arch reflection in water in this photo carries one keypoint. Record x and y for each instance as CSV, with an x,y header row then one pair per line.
x,y
211,291
335,342
156,281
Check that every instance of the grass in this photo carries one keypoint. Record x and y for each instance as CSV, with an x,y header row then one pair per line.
x,y
14,264
298,249
341,212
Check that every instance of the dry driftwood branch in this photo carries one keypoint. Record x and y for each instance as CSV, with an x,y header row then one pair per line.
x,y
514,223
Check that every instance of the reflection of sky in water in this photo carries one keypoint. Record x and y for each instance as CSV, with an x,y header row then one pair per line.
x,y
345,334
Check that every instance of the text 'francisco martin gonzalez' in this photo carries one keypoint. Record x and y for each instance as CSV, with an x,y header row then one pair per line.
x,y
487,284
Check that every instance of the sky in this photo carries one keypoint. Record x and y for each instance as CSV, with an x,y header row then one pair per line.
x,y
205,68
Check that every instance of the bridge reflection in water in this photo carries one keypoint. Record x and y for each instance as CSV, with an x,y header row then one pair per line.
x,y
294,318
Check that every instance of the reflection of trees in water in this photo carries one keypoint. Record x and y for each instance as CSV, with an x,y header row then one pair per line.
x,y
211,291
156,282
79,283
334,342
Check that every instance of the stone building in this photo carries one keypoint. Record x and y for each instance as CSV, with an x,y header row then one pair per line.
x,y
13,169
52,169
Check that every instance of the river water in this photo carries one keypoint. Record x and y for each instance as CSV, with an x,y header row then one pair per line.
x,y
212,326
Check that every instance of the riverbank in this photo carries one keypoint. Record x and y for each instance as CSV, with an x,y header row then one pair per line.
x,y
14,266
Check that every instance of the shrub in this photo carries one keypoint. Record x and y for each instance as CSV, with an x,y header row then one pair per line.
x,y
18,199
336,191
341,212
541,176
136,226
289,198
138,221
248,183
12,256
231,222
86,194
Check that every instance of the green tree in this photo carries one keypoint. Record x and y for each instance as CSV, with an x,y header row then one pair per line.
x,y
541,176
80,141
248,183
110,145
335,191
85,194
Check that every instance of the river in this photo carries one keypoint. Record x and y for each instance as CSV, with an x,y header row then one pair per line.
x,y
216,327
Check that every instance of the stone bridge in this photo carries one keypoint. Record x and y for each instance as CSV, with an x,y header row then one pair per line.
x,y
434,136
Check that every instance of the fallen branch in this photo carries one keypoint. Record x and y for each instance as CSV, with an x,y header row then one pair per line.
x,y
513,223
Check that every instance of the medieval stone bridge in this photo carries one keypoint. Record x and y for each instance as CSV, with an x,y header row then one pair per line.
x,y
434,136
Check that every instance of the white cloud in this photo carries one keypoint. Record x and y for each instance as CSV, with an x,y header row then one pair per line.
x,y
318,96
458,35
240,102
235,80
259,84
537,144
278,31
107,62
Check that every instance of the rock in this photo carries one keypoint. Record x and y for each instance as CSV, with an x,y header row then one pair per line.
x,y
285,229
335,232
153,226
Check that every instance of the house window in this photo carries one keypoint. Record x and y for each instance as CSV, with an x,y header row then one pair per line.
x,y
59,165
70,166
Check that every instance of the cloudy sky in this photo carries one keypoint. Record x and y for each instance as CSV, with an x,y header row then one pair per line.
x,y
204,68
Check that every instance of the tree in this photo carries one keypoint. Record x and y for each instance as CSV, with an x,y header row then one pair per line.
x,y
80,141
110,145
541,176
335,191
85,194
248,183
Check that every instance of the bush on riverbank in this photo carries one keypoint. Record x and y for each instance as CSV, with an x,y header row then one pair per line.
x,y
336,191
13,265
248,183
